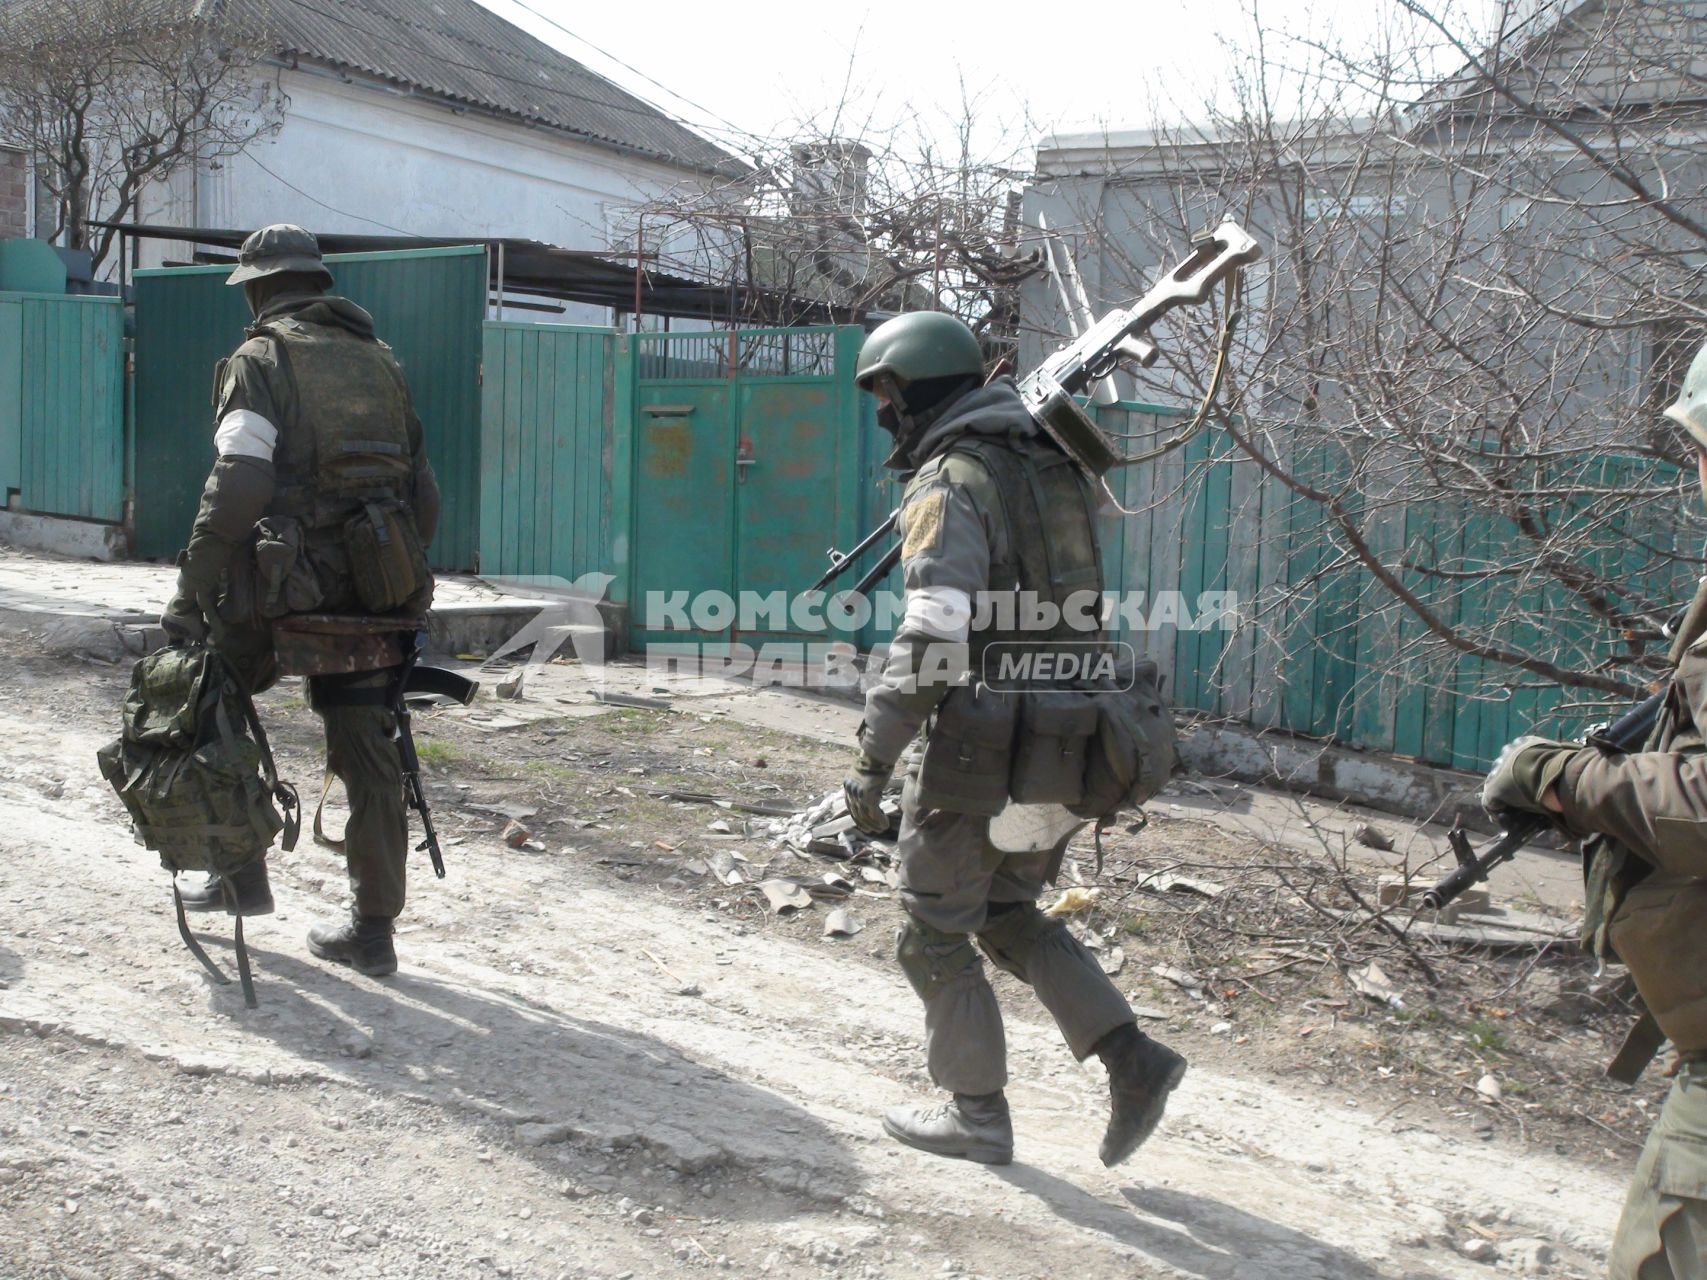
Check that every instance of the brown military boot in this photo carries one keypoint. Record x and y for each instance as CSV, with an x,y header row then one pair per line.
x,y
971,1127
362,942
254,893
1141,1074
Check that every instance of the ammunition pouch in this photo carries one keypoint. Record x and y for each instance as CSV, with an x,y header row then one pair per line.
x,y
968,752
1050,750
1134,750
388,566
285,579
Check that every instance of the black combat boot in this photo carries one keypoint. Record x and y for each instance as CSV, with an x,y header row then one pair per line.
x,y
972,1127
254,893
1141,1074
363,942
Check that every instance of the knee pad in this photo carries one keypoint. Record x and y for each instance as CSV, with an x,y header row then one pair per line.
x,y
1012,931
932,959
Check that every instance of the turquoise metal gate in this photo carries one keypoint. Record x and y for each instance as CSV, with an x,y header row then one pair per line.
x,y
547,393
746,465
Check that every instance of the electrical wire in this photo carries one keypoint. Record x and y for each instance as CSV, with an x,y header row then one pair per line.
x,y
342,213
735,130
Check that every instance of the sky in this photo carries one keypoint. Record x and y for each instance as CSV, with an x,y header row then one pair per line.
x,y
758,68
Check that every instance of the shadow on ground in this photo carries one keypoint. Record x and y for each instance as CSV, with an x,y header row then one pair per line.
x,y
499,1055
1196,1235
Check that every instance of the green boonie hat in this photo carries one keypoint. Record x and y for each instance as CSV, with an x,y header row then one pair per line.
x,y
277,249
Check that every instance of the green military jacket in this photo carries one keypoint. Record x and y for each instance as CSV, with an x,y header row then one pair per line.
x,y
1647,896
994,520
260,438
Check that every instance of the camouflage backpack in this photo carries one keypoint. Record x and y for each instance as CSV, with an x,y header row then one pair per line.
x,y
194,769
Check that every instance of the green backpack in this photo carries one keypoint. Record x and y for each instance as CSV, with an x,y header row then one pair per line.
x,y
195,772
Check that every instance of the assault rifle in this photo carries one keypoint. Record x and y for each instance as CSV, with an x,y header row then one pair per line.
x,y
1119,337
1627,733
415,678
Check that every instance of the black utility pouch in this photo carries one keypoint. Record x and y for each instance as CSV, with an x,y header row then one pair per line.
x,y
969,752
1055,729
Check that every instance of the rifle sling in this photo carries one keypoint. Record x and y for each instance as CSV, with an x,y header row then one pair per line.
x,y
190,939
243,975
1640,1045
320,836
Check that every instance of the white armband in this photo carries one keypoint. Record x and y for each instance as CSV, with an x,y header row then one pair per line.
x,y
943,613
246,434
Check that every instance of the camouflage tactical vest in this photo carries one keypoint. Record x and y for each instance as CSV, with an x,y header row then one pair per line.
x,y
345,472
349,443
1050,552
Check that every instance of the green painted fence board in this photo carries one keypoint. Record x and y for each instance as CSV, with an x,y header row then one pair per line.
x,y
427,304
545,480
62,419
11,397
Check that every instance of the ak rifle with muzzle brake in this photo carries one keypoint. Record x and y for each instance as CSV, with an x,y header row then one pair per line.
x,y
436,681
1118,338
1627,733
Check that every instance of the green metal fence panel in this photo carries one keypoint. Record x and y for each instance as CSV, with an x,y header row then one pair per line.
x,y
545,456
427,304
11,398
62,421
1320,647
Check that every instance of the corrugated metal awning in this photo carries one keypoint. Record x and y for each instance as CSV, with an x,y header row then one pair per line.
x,y
543,270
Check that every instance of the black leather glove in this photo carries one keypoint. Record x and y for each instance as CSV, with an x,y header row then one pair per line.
x,y
863,789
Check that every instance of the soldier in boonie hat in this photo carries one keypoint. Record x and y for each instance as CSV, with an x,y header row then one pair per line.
x,y
278,249
322,498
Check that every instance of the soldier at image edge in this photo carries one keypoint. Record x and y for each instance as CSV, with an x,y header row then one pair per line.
x,y
990,505
320,502
1643,818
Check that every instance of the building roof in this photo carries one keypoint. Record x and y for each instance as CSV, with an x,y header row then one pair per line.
x,y
463,52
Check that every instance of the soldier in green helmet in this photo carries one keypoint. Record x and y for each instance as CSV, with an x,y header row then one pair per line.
x,y
320,460
999,545
1643,818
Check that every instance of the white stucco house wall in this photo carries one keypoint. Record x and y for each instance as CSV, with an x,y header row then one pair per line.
x,y
437,118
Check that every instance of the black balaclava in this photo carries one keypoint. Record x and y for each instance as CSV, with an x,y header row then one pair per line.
x,y
259,292
922,403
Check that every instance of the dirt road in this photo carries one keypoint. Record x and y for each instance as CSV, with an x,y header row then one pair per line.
x,y
580,1077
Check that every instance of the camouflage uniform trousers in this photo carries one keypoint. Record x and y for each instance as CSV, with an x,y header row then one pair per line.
x,y
957,886
1663,1232
362,754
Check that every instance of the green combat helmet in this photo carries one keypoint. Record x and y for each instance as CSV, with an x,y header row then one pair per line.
x,y
277,249
918,346
1689,410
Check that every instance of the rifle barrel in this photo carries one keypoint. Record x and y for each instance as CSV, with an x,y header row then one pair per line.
x,y
844,563
880,570
1627,733
1472,873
